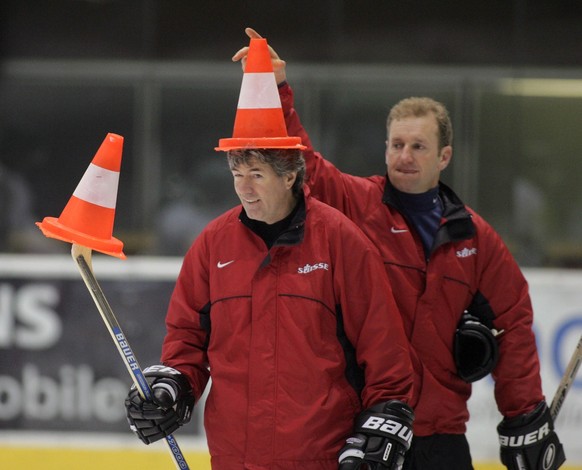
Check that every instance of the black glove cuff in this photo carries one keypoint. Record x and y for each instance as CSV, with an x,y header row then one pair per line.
x,y
529,441
392,420
526,429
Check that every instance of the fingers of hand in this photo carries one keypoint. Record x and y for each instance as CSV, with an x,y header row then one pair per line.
x,y
251,33
240,54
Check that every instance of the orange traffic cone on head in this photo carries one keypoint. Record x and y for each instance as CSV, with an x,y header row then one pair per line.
x,y
259,121
88,217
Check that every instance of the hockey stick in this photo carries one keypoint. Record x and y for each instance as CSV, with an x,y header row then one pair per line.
x,y
567,380
82,257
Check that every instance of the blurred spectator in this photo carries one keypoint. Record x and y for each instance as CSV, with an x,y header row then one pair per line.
x,y
18,232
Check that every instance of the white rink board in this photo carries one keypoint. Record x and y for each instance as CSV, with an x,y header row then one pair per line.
x,y
557,302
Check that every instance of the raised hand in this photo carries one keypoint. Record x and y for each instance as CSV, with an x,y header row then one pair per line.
x,y
278,64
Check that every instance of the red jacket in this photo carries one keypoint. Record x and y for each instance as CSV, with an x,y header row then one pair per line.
x,y
285,334
468,256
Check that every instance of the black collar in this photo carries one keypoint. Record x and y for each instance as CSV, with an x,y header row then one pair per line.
x,y
288,231
457,224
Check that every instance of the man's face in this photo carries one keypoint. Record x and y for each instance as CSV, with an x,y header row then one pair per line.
x,y
264,195
413,157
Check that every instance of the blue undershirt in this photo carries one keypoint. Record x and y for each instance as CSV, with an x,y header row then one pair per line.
x,y
424,212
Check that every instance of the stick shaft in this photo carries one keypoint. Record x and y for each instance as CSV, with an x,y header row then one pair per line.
x,y
82,257
567,380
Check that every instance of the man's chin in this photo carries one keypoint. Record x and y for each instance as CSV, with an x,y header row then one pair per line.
x,y
253,215
403,186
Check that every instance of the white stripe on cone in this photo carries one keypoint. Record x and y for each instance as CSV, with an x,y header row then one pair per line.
x,y
259,91
98,186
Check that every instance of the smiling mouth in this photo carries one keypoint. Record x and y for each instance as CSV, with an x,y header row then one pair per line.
x,y
250,201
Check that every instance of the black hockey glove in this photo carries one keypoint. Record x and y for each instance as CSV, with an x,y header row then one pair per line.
x,y
382,435
171,406
529,442
475,345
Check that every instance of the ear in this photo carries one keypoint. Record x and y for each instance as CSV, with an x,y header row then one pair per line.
x,y
445,157
290,179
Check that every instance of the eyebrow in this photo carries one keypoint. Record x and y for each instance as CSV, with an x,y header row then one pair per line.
x,y
236,168
415,139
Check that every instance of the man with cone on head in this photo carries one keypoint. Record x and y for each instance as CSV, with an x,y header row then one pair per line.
x,y
279,301
463,300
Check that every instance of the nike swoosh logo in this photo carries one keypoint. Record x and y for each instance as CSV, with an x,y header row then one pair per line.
x,y
220,265
397,230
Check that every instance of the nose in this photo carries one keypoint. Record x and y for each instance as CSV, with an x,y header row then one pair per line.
x,y
406,153
243,185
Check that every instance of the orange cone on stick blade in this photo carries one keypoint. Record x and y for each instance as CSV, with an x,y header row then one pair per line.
x,y
259,121
88,217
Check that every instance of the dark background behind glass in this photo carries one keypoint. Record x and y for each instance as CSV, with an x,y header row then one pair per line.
x,y
159,73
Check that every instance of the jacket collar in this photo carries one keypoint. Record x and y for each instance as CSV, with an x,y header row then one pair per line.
x,y
294,233
457,223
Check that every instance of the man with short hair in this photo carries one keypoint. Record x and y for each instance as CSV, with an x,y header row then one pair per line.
x,y
462,297
283,302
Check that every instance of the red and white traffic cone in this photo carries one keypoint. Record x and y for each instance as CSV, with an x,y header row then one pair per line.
x,y
88,217
259,121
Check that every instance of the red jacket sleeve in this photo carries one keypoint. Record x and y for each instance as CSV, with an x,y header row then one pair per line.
x,y
371,319
184,347
518,386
